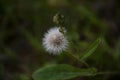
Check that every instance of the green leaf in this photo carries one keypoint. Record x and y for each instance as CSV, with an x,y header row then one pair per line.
x,y
32,39
117,52
91,49
61,72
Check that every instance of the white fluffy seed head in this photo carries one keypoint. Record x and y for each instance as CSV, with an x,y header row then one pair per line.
x,y
54,41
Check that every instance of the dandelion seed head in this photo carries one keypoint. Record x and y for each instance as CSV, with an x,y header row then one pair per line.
x,y
54,41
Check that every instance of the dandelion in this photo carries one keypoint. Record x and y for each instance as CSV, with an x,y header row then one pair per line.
x,y
54,41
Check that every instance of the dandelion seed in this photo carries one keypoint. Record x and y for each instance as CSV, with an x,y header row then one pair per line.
x,y
54,41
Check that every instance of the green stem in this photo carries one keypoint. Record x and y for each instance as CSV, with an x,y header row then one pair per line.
x,y
104,73
75,57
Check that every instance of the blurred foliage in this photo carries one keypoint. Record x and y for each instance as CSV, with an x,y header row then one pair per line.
x,y
23,23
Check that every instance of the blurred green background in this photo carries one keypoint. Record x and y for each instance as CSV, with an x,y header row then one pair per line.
x,y
24,22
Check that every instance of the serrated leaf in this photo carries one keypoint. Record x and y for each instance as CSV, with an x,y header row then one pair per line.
x,y
61,72
91,49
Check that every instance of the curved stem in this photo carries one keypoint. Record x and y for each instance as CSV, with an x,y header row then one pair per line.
x,y
75,57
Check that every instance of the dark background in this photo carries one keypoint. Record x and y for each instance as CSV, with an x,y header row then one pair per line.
x,y
24,22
